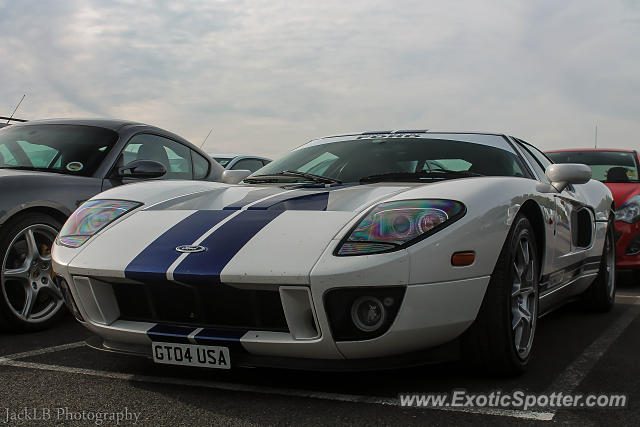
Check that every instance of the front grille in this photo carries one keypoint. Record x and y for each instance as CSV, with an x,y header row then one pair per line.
x,y
213,305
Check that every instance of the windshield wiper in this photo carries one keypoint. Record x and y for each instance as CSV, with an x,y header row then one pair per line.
x,y
418,176
293,174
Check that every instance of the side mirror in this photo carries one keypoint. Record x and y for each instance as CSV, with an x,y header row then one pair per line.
x,y
142,169
563,174
234,176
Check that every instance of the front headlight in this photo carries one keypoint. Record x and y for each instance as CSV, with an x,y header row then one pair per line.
x,y
90,218
395,225
629,211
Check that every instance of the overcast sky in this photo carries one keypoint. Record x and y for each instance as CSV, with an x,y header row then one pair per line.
x,y
268,75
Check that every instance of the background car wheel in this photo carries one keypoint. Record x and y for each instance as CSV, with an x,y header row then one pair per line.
x,y
501,338
602,293
29,299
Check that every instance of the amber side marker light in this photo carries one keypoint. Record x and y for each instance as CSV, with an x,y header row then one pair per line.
x,y
460,259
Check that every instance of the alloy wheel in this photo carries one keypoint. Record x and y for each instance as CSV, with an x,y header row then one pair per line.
x,y
524,296
26,276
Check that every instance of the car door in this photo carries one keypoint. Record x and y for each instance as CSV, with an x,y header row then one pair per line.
x,y
176,158
573,221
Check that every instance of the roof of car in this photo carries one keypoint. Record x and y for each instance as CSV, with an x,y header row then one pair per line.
x,y
621,150
413,131
113,124
233,156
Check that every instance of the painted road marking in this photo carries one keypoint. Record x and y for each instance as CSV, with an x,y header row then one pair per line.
x,y
566,382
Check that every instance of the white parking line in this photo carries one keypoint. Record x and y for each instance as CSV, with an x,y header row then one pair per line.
x,y
236,387
42,351
577,371
566,382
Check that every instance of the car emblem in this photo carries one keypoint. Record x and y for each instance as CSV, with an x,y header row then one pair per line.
x,y
190,249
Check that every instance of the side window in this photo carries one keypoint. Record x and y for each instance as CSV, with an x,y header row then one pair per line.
x,y
248,164
175,157
40,156
200,166
6,158
535,164
542,159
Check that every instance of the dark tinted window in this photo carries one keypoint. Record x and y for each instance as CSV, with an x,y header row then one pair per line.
x,y
606,166
535,164
352,160
539,155
248,164
224,161
175,157
69,149
200,166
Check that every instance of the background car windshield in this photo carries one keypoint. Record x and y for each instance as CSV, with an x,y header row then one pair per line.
x,y
223,160
352,160
69,149
606,166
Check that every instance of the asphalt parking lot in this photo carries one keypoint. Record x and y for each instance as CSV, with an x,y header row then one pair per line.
x,y
576,352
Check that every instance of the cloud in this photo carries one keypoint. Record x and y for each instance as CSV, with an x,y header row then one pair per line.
x,y
269,75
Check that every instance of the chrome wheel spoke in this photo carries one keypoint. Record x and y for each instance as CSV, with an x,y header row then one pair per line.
x,y
53,290
32,246
29,303
17,273
516,321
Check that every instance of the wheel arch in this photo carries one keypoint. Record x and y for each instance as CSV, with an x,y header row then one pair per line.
x,y
56,213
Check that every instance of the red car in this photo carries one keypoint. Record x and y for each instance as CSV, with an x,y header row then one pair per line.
x,y
618,170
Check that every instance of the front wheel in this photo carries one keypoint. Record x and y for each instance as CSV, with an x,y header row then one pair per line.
x,y
501,338
601,294
29,299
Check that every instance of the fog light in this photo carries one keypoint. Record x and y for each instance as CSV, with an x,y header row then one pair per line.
x,y
368,313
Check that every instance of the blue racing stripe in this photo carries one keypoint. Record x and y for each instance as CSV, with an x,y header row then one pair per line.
x,y
295,200
222,245
309,202
170,333
154,261
214,336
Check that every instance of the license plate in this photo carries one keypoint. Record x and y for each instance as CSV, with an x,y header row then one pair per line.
x,y
204,356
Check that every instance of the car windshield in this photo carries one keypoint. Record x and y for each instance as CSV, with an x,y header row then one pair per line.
x,y
606,166
412,159
68,149
224,161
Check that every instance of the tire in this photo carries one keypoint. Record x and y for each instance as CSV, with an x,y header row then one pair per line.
x,y
25,274
500,341
601,295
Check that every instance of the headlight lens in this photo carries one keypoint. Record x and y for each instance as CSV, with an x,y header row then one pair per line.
x,y
90,218
393,225
629,211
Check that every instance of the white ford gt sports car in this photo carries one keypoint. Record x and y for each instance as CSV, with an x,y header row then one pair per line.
x,y
356,251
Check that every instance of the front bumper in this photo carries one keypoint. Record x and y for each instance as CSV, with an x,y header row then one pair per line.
x,y
430,315
627,232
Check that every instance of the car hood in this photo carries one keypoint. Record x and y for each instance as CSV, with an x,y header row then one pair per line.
x,y
623,191
245,234
249,234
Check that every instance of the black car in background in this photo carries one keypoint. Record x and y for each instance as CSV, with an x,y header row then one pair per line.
x,y
47,169
240,162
